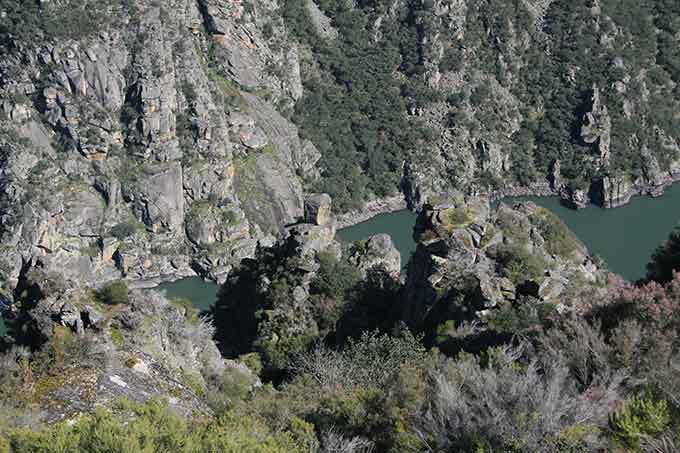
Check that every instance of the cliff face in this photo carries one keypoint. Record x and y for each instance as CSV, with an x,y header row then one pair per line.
x,y
473,262
543,83
140,140
152,140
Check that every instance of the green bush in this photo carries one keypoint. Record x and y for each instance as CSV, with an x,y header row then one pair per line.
x,y
517,264
665,259
559,240
114,293
640,417
124,229
150,427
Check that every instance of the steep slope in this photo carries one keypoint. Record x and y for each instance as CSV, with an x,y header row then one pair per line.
x,y
577,98
140,138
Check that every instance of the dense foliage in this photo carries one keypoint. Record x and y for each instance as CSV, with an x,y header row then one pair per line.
x,y
257,308
29,19
666,259
605,382
354,109
364,89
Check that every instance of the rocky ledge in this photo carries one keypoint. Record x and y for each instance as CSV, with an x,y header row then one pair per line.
x,y
472,260
371,209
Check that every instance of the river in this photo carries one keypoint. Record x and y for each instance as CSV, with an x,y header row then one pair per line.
x,y
398,224
201,293
624,237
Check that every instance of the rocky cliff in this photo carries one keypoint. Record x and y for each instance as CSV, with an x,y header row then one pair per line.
x,y
473,263
142,139
81,350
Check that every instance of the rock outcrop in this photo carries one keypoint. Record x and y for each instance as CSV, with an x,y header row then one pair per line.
x,y
149,149
472,260
91,353
376,251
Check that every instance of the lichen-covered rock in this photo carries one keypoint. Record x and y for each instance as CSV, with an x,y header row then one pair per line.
x,y
597,127
309,239
318,209
471,260
148,347
377,251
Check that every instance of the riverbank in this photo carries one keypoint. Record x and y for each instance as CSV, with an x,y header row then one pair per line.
x,y
371,209
615,200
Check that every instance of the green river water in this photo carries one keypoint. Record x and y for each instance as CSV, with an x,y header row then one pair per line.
x,y
624,237
398,224
202,293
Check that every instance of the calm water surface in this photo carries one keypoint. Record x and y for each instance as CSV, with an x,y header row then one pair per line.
x,y
624,237
202,293
398,224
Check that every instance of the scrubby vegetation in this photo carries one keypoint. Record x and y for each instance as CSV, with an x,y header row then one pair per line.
x,y
354,110
154,429
64,19
605,382
350,376
113,293
365,90
666,259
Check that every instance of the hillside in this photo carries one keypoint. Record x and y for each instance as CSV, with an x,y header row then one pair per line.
x,y
155,140
143,141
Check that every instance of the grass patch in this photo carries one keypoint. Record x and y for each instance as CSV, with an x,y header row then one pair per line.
x,y
117,337
193,383
46,385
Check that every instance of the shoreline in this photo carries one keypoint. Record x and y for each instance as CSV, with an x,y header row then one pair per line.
x,y
398,202
371,209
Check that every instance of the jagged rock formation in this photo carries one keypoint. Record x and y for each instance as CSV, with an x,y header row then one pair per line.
x,y
154,140
89,353
472,260
376,251
135,151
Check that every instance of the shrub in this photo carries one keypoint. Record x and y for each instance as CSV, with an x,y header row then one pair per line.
x,y
519,265
114,293
117,337
559,239
640,417
666,259
154,428
505,403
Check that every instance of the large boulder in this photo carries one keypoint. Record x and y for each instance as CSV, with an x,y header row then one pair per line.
x,y
377,251
471,260
318,209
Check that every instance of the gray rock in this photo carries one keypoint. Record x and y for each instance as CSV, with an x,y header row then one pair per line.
x,y
310,239
466,252
377,251
318,209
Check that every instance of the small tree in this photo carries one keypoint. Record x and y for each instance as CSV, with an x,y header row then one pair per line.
x,y
114,293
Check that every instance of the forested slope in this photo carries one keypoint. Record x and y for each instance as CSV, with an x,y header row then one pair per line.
x,y
581,93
